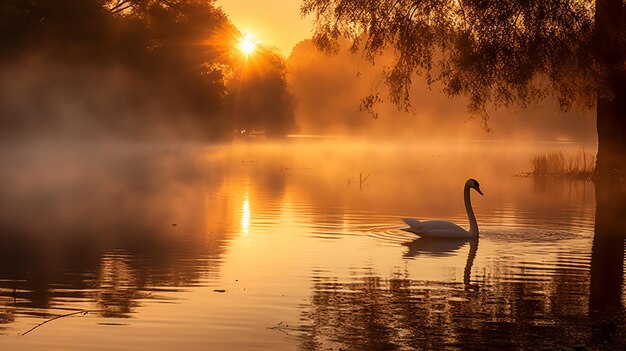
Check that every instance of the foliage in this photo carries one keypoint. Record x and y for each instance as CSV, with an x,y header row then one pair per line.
x,y
495,52
127,67
260,93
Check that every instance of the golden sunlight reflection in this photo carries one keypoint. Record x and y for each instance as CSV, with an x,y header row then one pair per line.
x,y
245,215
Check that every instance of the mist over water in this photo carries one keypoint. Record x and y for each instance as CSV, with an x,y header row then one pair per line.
x,y
286,243
330,89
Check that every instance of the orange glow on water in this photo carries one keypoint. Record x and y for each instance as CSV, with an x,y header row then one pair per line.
x,y
283,232
245,215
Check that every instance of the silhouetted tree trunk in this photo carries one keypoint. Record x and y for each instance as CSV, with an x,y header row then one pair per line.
x,y
611,106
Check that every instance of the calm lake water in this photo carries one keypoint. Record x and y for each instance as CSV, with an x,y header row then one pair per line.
x,y
297,246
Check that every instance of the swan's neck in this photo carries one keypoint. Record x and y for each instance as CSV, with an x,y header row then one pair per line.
x,y
470,212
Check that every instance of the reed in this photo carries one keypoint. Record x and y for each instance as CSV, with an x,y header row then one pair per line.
x,y
556,165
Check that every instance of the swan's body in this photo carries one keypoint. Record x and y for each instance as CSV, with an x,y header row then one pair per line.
x,y
447,230
436,229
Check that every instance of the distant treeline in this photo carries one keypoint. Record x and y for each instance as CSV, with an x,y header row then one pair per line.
x,y
134,68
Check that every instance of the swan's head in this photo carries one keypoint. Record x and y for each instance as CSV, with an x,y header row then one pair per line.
x,y
473,183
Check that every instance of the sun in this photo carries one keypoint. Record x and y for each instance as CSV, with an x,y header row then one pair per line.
x,y
247,44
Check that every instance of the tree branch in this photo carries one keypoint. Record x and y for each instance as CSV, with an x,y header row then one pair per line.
x,y
55,318
115,8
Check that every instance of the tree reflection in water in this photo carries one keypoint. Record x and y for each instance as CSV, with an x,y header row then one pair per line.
x,y
105,241
571,308
103,231
606,306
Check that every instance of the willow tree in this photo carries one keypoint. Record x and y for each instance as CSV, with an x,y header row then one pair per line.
x,y
496,52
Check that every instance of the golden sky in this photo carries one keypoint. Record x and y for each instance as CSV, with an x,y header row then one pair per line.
x,y
272,22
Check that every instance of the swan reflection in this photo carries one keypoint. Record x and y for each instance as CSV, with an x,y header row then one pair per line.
x,y
433,247
442,248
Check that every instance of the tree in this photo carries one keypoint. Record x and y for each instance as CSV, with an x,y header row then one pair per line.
x,y
499,52
259,98
152,68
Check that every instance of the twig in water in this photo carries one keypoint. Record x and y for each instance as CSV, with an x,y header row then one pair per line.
x,y
51,319
362,180
281,328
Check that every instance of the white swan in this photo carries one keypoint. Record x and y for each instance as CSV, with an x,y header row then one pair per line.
x,y
445,229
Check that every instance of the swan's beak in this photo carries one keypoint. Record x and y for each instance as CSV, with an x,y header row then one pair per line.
x,y
477,188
